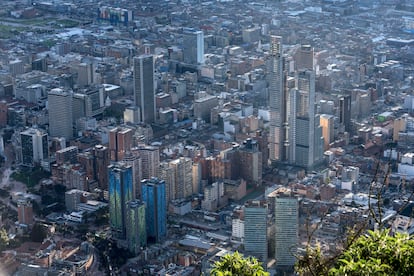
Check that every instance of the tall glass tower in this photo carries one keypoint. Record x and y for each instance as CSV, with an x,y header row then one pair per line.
x,y
193,46
255,230
144,89
136,233
277,101
153,194
287,229
121,191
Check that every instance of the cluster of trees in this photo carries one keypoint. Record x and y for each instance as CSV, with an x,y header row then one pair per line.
x,y
374,253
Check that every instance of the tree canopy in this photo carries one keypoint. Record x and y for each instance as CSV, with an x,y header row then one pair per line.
x,y
236,264
374,253
377,253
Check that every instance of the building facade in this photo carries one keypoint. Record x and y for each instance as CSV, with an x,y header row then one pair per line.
x,y
121,191
34,147
277,101
153,194
60,104
136,233
193,46
287,228
255,230
144,90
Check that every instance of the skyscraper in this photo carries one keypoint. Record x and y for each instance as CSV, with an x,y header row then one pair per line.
x,y
150,157
34,147
133,159
345,112
153,194
120,141
287,225
144,90
121,191
136,233
182,177
304,58
277,101
193,46
101,163
305,132
255,230
327,124
60,113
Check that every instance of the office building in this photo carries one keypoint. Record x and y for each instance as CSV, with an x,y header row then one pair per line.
x,y
255,230
150,158
327,124
287,225
120,142
277,102
60,104
153,194
121,191
73,198
88,102
133,159
25,212
85,74
182,185
246,162
34,147
305,132
345,112
193,46
101,163
136,233
304,58
67,155
144,89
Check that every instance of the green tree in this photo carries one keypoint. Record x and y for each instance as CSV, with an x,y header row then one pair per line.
x,y
235,264
4,239
377,253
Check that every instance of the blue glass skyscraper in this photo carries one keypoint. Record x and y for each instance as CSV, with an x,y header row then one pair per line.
x,y
153,194
121,191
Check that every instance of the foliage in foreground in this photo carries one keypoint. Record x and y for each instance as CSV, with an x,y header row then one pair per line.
x,y
376,253
236,264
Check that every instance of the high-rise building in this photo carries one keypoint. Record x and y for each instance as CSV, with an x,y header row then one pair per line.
x,y
85,74
255,229
3,113
287,225
305,132
327,124
153,194
150,156
121,191
246,162
136,233
34,147
345,112
304,58
277,101
182,185
144,90
133,159
25,212
60,113
193,46
120,141
101,163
